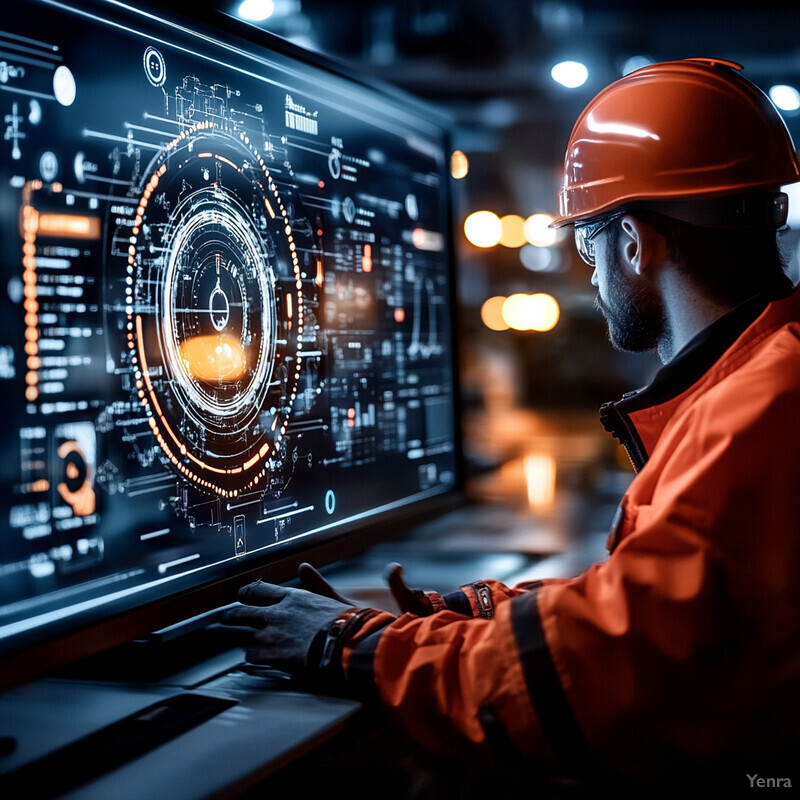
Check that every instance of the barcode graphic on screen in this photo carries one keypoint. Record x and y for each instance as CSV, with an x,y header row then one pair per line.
x,y
300,123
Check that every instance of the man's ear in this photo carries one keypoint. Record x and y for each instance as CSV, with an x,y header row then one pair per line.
x,y
640,243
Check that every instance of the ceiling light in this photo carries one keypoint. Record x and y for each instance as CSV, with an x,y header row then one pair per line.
x,y
787,98
571,74
256,10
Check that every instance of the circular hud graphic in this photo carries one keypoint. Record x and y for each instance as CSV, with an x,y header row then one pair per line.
x,y
215,306
217,312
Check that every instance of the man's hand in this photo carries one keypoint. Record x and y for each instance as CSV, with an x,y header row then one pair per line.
x,y
284,623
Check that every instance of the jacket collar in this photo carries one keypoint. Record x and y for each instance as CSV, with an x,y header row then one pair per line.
x,y
639,417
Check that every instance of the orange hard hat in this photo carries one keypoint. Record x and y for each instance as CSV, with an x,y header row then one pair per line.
x,y
674,131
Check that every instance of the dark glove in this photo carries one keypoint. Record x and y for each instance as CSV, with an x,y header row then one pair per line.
x,y
284,623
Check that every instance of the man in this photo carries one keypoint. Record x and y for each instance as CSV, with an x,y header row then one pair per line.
x,y
677,660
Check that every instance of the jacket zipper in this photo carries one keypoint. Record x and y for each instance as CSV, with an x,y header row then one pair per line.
x,y
619,426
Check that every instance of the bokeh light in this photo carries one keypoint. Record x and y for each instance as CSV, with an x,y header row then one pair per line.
x,y
540,480
531,312
571,74
459,165
540,259
536,231
514,311
483,228
543,312
492,314
786,98
513,233
256,10
635,62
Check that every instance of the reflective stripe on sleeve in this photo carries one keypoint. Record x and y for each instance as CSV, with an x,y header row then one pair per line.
x,y
544,687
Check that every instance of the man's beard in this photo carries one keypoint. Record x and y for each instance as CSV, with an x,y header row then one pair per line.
x,y
634,313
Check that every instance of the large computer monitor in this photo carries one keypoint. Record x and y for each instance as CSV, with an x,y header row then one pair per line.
x,y
226,320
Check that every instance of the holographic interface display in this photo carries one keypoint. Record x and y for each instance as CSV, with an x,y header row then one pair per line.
x,y
225,307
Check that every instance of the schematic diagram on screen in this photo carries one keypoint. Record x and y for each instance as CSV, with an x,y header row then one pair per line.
x,y
234,298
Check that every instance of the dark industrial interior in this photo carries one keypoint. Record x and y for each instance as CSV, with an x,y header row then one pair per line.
x,y
542,477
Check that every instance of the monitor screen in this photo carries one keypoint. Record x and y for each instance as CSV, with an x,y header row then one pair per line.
x,y
226,311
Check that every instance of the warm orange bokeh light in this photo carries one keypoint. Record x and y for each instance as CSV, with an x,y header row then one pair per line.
x,y
459,165
540,480
492,314
531,312
483,228
513,234
537,232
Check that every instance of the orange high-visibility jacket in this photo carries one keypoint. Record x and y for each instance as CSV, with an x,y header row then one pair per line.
x,y
683,647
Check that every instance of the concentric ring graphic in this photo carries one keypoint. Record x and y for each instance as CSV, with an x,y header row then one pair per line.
x,y
217,311
215,306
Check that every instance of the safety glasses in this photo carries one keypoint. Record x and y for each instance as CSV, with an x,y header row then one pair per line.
x,y
585,232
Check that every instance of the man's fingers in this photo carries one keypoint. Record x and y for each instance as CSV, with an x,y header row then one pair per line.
x,y
392,570
244,617
405,597
394,577
262,594
312,581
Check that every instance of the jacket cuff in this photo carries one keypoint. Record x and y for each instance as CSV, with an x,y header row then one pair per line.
x,y
358,655
458,602
480,599
324,662
477,599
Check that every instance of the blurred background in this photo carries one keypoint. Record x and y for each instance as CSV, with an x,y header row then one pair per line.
x,y
514,75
